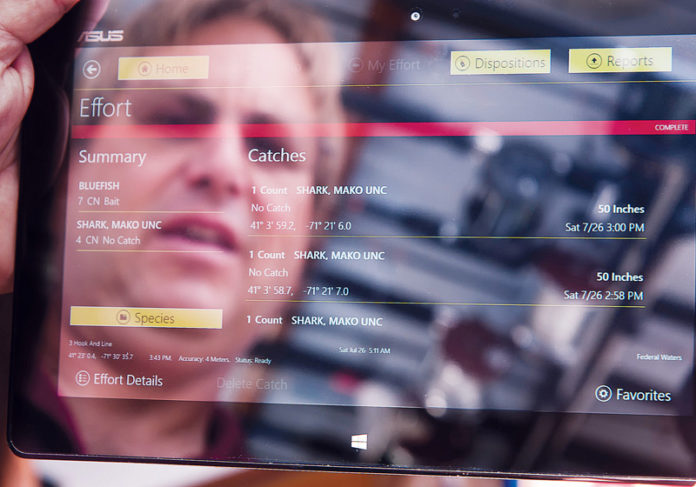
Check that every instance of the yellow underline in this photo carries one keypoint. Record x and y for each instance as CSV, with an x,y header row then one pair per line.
x,y
149,211
536,305
384,85
154,251
451,237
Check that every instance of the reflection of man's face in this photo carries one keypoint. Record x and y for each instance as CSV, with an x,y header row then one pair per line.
x,y
204,187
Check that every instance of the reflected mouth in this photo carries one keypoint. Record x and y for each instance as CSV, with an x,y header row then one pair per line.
x,y
201,232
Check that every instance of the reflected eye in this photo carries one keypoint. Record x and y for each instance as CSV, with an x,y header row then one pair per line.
x,y
268,134
167,116
186,109
264,144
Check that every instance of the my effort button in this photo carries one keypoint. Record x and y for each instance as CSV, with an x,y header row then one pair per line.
x,y
145,317
620,60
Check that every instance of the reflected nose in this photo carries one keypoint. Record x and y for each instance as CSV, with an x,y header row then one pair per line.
x,y
219,167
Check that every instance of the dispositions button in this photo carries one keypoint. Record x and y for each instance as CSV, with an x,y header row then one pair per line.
x,y
145,317
163,67
518,61
620,60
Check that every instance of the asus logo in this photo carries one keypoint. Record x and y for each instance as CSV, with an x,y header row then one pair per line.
x,y
100,36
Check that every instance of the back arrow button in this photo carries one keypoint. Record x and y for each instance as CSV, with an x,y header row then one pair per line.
x,y
91,69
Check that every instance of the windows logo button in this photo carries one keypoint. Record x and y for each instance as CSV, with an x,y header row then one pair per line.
x,y
603,393
359,442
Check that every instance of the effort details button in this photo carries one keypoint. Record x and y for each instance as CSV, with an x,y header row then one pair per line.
x,y
145,317
620,60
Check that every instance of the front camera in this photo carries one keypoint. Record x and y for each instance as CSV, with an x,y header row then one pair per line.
x,y
416,14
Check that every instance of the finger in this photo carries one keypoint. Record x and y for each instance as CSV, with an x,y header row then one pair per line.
x,y
95,12
26,20
16,86
21,21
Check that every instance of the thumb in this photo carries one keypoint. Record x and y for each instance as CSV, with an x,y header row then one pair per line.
x,y
25,20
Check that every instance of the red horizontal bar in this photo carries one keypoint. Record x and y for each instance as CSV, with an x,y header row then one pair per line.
x,y
390,129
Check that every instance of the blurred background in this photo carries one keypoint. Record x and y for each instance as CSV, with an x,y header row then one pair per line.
x,y
503,358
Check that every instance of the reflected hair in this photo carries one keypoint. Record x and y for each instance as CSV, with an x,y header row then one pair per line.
x,y
174,21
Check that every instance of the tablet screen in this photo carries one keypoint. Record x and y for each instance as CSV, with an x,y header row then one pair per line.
x,y
278,210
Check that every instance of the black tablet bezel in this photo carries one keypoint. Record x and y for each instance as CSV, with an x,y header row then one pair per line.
x,y
44,135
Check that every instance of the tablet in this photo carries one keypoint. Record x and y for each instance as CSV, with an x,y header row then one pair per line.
x,y
441,238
